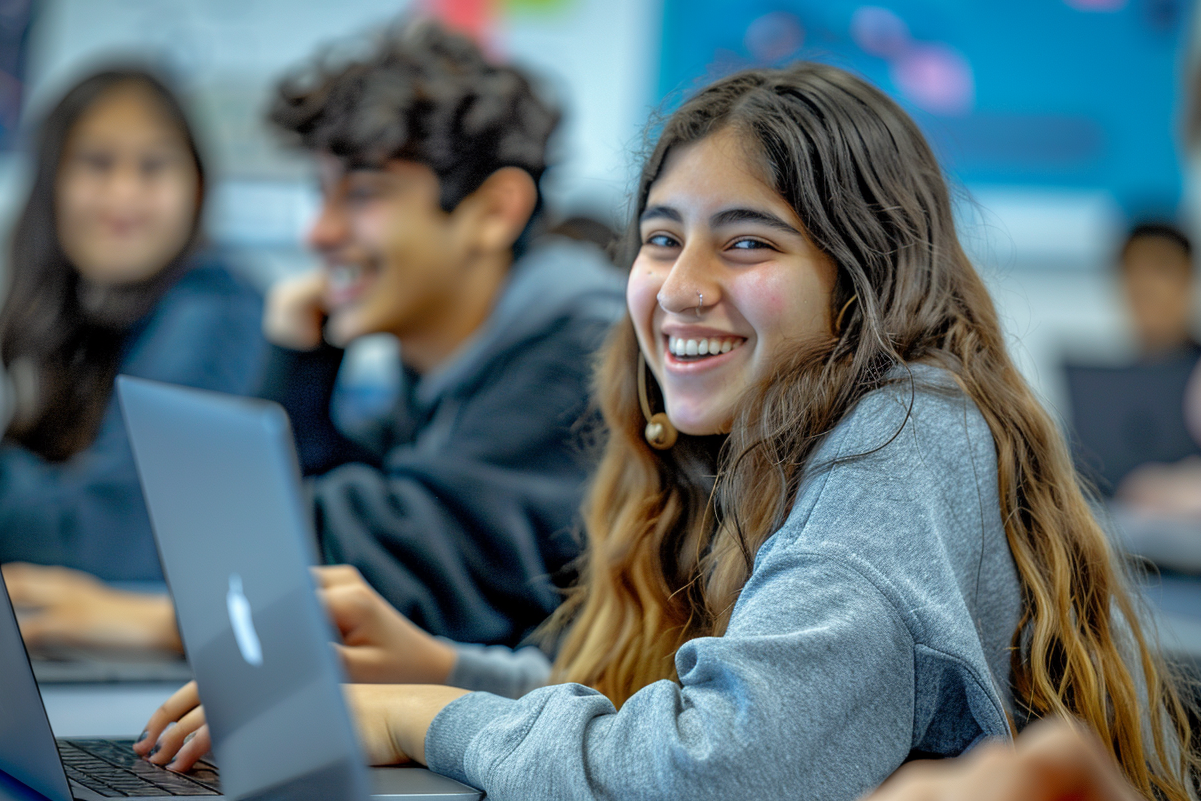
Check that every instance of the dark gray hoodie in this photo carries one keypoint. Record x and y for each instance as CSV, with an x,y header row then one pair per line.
x,y
463,514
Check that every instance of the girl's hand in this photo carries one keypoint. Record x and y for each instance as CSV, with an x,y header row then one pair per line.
x,y
176,735
379,644
392,720
61,606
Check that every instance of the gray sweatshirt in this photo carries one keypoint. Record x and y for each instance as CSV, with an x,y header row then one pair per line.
x,y
875,626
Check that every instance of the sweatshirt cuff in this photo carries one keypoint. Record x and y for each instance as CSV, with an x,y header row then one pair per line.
x,y
453,729
498,669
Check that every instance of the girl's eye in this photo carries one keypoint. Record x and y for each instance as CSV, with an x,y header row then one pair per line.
x,y
749,244
661,241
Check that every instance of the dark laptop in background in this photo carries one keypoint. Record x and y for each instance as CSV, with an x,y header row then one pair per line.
x,y
70,665
1123,417
223,490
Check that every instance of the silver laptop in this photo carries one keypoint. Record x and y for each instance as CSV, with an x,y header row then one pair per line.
x,y
223,490
33,765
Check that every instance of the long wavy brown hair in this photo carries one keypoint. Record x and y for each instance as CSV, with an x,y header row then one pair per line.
x,y
670,546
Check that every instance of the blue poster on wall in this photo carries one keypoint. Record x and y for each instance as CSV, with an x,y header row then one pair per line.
x,y
1080,94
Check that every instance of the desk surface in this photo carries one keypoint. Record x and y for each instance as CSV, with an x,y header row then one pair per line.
x,y
102,710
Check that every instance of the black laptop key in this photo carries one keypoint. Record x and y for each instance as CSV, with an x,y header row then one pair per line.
x,y
205,773
92,784
120,752
112,769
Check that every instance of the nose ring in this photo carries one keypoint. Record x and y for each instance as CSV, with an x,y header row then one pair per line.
x,y
700,301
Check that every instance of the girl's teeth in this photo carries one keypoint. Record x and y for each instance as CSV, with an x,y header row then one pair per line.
x,y
701,347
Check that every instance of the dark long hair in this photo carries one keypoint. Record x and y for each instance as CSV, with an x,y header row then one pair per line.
x,y
61,353
666,559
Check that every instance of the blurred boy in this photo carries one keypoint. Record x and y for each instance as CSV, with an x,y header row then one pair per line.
x,y
429,160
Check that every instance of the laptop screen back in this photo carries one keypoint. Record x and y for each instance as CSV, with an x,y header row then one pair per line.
x,y
223,489
27,749
1123,417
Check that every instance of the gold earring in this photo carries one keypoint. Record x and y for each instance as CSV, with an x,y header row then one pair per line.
x,y
842,313
659,431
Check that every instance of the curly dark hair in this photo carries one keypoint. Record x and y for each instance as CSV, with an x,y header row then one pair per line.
x,y
424,94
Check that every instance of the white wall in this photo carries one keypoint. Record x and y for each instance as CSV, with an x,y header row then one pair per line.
x,y
599,56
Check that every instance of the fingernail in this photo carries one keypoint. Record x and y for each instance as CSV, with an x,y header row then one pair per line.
x,y
170,765
142,736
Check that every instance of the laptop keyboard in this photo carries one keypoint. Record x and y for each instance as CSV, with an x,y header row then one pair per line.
x,y
112,769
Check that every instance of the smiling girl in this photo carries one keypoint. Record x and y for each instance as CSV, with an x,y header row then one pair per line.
x,y
832,530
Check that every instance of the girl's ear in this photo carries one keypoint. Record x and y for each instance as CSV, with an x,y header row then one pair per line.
x,y
500,209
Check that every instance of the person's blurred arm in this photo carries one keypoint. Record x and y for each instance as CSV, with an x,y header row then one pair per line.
x,y
1052,761
302,369
1164,490
59,606
303,383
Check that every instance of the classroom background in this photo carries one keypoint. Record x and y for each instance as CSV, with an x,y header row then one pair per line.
x,y
1060,122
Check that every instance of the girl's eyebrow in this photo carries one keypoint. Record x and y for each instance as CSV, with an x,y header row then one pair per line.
x,y
660,213
727,217
730,216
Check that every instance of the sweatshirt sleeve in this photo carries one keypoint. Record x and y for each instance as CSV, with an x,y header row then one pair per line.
x,y
810,689
462,527
303,383
88,512
499,670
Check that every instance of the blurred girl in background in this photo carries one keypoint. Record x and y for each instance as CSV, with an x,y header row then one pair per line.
x,y
106,277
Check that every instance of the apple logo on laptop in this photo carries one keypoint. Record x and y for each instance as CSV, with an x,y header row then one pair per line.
x,y
243,625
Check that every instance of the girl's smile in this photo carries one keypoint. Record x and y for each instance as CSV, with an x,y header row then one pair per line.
x,y
724,281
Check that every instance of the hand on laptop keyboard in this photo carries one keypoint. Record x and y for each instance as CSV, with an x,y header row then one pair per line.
x,y
61,606
180,746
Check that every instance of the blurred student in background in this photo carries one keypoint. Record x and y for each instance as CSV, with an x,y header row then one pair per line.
x,y
1156,271
462,507
430,158
1158,282
107,276
1128,419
